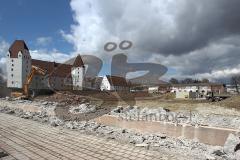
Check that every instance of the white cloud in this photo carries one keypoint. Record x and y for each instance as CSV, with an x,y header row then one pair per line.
x,y
220,74
192,37
49,55
3,52
43,41
91,33
98,22
218,60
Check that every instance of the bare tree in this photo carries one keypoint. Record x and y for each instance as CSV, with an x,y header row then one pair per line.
x,y
187,81
173,81
235,80
205,80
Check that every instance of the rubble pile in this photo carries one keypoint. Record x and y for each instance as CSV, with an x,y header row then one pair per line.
x,y
232,147
64,98
82,108
148,141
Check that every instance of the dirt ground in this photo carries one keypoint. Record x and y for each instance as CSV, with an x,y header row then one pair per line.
x,y
205,113
232,102
108,100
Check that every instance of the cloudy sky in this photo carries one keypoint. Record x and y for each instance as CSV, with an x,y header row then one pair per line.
x,y
192,38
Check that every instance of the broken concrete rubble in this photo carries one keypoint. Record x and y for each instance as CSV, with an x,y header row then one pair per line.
x,y
209,157
145,145
82,108
151,141
217,150
231,144
54,121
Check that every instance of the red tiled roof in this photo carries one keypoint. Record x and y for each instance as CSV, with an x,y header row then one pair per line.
x,y
117,81
78,62
18,45
53,68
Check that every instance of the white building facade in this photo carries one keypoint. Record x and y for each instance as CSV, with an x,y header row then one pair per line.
x,y
59,76
196,90
18,65
113,83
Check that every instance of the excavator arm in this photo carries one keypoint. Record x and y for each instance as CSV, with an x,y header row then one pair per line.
x,y
25,93
29,79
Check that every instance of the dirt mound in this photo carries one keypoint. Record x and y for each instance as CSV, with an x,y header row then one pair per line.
x,y
232,102
66,98
4,91
168,96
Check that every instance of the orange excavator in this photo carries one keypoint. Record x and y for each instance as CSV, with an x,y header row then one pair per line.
x,y
24,94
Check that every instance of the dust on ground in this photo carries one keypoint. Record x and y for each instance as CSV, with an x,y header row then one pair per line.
x,y
105,101
232,102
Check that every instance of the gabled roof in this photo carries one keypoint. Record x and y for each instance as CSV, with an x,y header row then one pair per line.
x,y
78,62
116,81
18,45
75,62
59,69
53,68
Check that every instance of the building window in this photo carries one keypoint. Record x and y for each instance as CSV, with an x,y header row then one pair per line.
x,y
11,69
12,82
12,64
8,55
12,60
12,75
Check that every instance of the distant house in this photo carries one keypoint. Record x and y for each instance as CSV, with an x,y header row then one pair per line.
x,y
153,89
199,87
160,88
233,89
194,90
114,83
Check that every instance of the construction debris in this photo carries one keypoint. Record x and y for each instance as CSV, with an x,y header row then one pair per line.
x,y
82,108
232,144
43,110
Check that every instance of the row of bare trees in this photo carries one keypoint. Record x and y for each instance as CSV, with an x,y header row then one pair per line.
x,y
187,81
235,81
